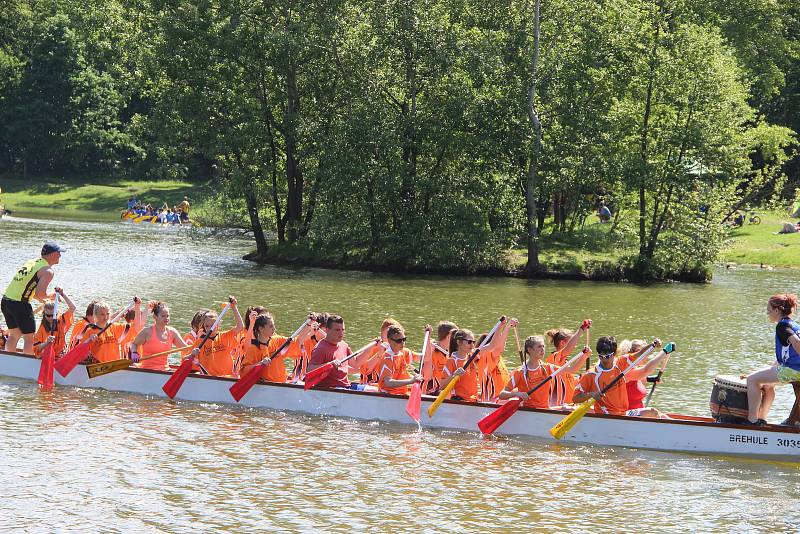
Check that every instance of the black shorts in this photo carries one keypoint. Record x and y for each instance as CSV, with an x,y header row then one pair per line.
x,y
18,315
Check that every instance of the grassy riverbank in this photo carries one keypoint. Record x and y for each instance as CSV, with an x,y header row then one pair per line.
x,y
83,199
757,244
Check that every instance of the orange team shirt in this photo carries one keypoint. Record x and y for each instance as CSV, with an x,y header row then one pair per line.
x,y
106,347
524,379
276,370
62,327
395,366
301,360
216,355
370,371
79,333
615,400
438,359
467,387
564,384
493,373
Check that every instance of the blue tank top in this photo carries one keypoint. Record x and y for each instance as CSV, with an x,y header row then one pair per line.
x,y
785,354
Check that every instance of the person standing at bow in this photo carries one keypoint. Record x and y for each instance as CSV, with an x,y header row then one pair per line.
x,y
30,281
158,338
62,325
786,368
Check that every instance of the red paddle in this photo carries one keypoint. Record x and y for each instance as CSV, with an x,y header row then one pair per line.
x,y
415,397
45,380
492,422
316,376
65,365
243,385
174,383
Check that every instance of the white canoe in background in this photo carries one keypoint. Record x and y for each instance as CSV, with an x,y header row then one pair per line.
x,y
687,434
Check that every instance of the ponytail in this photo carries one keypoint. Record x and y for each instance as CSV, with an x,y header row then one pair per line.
x,y
785,302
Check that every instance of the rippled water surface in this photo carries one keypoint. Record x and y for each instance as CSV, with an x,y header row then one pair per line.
x,y
86,460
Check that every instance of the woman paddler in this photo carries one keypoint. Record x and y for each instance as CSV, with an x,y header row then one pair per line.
x,y
264,344
467,388
82,325
630,350
615,400
492,370
370,370
786,369
394,377
63,323
215,358
433,367
107,347
160,337
533,372
564,342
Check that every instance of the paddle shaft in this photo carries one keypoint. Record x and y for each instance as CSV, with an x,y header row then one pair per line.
x,y
519,347
623,373
425,341
560,370
658,377
288,340
588,363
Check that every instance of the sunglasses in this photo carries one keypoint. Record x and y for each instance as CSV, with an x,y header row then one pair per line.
x,y
468,341
606,355
399,340
48,314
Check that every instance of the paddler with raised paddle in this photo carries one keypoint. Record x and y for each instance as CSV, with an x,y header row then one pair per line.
x,y
594,384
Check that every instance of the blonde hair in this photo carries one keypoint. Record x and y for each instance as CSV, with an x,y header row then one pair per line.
x,y
532,341
100,305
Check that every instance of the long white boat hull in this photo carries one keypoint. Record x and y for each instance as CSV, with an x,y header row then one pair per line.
x,y
688,434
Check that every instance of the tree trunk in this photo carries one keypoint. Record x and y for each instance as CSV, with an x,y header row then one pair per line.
x,y
294,175
531,205
252,208
644,150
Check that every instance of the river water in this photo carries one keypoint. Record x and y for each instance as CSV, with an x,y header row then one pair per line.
x,y
88,460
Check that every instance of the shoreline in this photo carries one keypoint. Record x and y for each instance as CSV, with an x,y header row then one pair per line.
x,y
610,274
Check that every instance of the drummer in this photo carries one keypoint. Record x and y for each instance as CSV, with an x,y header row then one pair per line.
x,y
761,384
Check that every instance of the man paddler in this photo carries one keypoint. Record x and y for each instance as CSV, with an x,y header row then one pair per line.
x,y
30,281
334,349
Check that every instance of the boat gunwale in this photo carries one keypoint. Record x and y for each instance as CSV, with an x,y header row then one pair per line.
x,y
692,421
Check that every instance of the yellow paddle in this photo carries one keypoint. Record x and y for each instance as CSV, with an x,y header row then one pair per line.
x,y
449,387
566,424
104,368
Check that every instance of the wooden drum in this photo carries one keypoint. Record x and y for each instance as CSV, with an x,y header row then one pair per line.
x,y
729,399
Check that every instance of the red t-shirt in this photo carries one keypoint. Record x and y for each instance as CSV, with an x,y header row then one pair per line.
x,y
325,352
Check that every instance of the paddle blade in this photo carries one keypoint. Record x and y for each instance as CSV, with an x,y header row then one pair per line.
x,y
99,369
414,402
67,363
174,383
492,422
317,375
443,395
45,380
243,385
566,424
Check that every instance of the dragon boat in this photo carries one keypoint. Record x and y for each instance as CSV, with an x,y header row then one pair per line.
x,y
683,433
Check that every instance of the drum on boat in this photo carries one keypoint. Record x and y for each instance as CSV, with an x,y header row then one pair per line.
x,y
729,399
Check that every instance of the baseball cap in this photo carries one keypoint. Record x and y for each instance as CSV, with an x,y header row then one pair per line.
x,y
51,247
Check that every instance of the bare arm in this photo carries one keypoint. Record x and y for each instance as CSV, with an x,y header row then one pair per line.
x,y
66,299
572,342
794,341
239,322
640,373
45,277
177,340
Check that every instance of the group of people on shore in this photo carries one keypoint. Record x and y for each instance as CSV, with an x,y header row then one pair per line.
x,y
178,214
385,365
